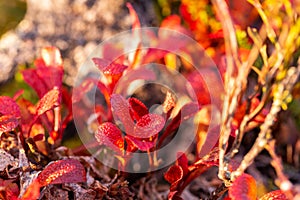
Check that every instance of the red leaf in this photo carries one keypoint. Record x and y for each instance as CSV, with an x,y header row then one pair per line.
x,y
120,108
174,174
12,192
9,107
52,57
48,74
244,187
48,101
141,144
32,78
171,21
134,17
109,68
28,111
189,110
110,135
62,171
149,125
10,189
51,76
241,111
154,54
38,137
200,88
130,146
137,108
207,85
8,123
274,195
182,161
39,62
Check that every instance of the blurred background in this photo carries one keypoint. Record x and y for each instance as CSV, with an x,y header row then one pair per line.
x,y
76,27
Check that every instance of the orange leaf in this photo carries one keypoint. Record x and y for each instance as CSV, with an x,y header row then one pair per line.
x,y
244,187
274,195
32,192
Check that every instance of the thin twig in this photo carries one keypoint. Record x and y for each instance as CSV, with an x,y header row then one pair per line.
x,y
232,61
283,182
283,88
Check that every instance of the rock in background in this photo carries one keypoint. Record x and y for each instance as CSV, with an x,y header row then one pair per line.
x,y
76,27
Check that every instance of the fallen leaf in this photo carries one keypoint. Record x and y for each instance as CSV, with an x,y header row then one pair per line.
x,y
62,171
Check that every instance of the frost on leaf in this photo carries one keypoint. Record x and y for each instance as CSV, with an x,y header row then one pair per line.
x,y
62,171
244,187
109,134
9,107
48,101
149,125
